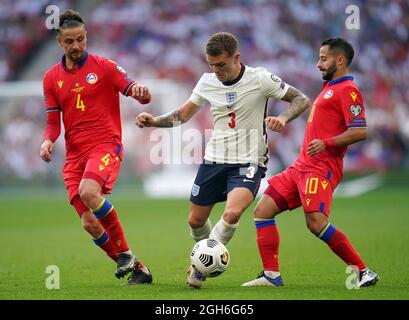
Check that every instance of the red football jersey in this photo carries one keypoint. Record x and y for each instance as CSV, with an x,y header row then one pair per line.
x,y
338,107
88,96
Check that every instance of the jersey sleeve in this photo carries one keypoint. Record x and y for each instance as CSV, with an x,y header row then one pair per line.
x,y
353,107
272,85
118,76
53,122
196,97
51,103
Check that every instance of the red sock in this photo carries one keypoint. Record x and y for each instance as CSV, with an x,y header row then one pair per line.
x,y
110,249
342,247
115,232
103,241
107,245
268,241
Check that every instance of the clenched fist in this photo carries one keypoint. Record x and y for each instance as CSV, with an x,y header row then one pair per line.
x,y
140,93
276,124
46,150
145,119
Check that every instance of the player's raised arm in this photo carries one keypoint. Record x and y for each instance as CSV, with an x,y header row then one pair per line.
x,y
122,83
171,119
298,104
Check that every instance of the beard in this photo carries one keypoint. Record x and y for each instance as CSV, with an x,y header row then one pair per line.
x,y
329,73
76,56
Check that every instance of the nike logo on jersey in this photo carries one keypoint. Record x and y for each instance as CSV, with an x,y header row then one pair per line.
x,y
245,180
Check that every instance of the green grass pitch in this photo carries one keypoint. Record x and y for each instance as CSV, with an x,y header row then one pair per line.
x,y
38,231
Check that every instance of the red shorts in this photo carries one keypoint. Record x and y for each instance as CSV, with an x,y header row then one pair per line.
x,y
291,189
102,165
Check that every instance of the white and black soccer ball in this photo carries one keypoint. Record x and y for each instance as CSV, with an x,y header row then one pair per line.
x,y
210,257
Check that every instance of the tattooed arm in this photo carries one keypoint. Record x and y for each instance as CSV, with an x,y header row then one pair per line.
x,y
172,119
298,104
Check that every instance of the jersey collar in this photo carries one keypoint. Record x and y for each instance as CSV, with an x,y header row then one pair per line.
x,y
230,83
339,80
79,65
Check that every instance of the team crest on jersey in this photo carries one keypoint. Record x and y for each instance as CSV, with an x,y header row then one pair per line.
x,y
91,78
355,109
231,97
195,190
328,94
120,69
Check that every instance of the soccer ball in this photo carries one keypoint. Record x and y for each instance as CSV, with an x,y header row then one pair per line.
x,y
209,257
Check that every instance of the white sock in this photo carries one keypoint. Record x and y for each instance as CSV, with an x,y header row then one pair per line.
x,y
223,231
272,274
201,232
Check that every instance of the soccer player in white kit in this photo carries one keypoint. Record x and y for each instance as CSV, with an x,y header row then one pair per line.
x,y
236,154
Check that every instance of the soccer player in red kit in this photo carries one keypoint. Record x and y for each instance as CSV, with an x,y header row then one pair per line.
x,y
337,119
85,88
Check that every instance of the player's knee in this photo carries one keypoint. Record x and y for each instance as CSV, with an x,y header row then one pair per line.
x,y
315,222
87,196
257,212
232,215
314,226
262,213
196,222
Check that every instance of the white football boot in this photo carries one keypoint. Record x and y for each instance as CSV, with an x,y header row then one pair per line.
x,y
367,278
265,278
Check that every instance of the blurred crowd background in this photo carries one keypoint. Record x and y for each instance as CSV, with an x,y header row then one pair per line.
x,y
158,39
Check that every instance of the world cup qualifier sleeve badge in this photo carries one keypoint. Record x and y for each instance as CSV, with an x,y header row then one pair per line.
x,y
355,109
231,97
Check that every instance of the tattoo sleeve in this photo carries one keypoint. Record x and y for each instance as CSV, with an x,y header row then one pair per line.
x,y
172,119
298,103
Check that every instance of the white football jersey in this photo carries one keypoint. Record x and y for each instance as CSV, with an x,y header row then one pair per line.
x,y
238,109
